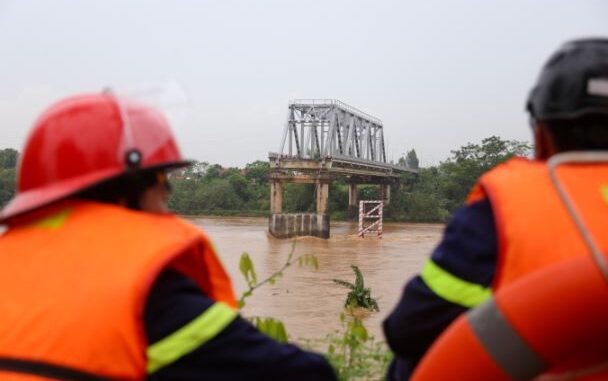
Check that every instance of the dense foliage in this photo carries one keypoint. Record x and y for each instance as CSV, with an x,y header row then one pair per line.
x,y
428,196
8,163
435,192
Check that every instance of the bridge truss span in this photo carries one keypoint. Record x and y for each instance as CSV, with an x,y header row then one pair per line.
x,y
318,128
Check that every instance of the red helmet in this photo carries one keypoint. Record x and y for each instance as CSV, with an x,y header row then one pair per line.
x,y
84,140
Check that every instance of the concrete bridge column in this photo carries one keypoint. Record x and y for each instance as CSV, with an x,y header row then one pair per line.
x,y
385,191
276,197
353,201
322,197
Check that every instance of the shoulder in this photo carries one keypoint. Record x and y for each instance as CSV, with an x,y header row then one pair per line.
x,y
510,173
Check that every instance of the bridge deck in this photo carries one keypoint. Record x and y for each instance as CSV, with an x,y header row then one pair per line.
x,y
337,165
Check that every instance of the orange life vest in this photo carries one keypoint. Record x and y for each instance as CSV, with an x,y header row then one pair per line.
x,y
73,286
551,301
533,227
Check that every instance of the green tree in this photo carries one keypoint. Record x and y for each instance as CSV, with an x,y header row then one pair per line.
x,y
368,192
196,169
182,200
257,171
8,158
338,199
460,172
435,192
7,185
218,194
240,185
8,164
212,172
298,198
411,159
418,198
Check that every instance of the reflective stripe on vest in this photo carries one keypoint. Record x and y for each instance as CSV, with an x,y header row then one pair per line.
x,y
503,344
452,288
193,335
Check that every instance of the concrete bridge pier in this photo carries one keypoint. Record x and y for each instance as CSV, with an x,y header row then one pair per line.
x,y
286,225
385,192
276,197
322,197
353,200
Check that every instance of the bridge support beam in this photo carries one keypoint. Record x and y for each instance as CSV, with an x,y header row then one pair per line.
x,y
322,197
353,200
276,197
385,191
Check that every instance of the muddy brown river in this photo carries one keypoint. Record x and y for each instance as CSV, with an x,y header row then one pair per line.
x,y
308,301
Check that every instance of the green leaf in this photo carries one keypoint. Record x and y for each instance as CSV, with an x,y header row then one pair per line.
x,y
247,268
344,283
272,328
358,277
359,331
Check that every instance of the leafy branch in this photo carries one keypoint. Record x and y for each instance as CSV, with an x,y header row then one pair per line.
x,y
247,268
270,326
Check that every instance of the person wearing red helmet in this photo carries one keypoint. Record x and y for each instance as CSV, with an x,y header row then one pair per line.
x,y
521,219
98,281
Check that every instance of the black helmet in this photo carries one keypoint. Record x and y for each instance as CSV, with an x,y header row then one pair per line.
x,y
573,83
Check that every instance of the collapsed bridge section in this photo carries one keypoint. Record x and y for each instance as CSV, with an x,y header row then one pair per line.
x,y
325,139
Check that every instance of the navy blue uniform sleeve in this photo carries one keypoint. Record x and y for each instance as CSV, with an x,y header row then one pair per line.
x,y
239,352
468,250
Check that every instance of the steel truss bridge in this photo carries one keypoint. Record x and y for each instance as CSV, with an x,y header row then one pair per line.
x,y
331,136
324,139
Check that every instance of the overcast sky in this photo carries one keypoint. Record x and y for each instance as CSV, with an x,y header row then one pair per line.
x,y
438,73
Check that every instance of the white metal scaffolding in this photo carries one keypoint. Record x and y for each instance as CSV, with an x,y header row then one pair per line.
x,y
370,218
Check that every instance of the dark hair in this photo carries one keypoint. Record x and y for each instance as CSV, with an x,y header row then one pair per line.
x,y
129,187
589,132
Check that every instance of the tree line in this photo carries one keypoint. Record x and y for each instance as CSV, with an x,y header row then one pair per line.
x,y
431,195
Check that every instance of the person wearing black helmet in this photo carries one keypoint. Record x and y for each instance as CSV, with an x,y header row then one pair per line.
x,y
518,218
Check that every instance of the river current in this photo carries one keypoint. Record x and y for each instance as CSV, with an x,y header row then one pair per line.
x,y
308,301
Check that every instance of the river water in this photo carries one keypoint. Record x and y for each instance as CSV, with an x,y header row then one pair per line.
x,y
308,301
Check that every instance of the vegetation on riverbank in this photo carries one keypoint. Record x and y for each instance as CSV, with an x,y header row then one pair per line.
x,y
352,352
429,196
